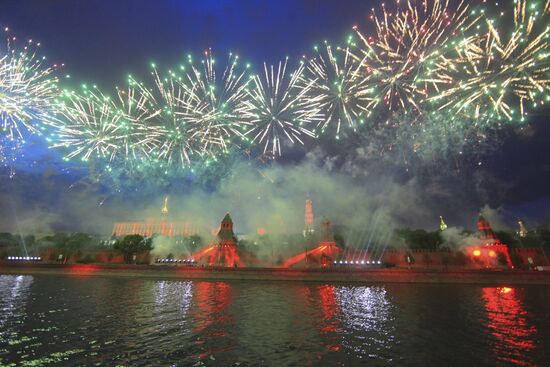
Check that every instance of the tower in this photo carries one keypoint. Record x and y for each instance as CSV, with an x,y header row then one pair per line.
x,y
226,252
493,248
486,230
327,236
442,224
327,247
226,236
522,231
308,218
164,210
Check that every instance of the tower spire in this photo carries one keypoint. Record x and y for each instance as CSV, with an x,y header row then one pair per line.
x,y
485,229
442,224
308,217
522,231
164,209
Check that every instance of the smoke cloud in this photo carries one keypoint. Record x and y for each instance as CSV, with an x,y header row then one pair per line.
x,y
365,203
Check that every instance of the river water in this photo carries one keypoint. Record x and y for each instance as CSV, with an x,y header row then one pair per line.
x,y
97,321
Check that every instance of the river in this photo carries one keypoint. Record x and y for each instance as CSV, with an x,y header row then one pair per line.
x,y
102,321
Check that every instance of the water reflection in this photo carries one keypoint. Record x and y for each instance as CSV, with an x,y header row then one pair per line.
x,y
507,321
177,296
366,315
330,309
328,322
92,321
14,291
212,321
355,320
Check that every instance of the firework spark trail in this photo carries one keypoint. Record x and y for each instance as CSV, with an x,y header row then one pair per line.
x,y
175,140
215,105
333,86
10,151
28,89
92,127
140,136
426,63
399,60
277,109
501,68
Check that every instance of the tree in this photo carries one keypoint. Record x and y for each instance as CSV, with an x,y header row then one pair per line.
x,y
339,239
420,239
195,242
507,238
133,244
543,234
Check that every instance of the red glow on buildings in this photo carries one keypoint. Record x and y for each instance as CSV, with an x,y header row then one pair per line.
x,y
486,230
323,255
204,251
224,252
491,252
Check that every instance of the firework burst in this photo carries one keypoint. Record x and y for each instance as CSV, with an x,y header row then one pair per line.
x,y
28,89
91,128
171,140
277,110
333,85
502,68
140,138
400,60
214,104
427,63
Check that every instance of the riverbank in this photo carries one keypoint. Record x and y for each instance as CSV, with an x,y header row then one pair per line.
x,y
493,277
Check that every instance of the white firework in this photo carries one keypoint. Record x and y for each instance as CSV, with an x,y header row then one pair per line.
x,y
277,110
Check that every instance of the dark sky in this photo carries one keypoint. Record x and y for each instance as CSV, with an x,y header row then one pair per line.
x,y
103,41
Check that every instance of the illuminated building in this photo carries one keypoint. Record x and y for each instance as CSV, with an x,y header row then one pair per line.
x,y
322,255
164,210
308,218
224,252
522,231
151,227
226,236
442,224
492,253
486,231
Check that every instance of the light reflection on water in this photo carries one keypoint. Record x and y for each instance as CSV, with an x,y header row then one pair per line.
x,y
367,318
68,321
507,321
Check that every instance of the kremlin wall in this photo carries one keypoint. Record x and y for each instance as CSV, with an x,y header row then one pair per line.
x,y
486,262
225,251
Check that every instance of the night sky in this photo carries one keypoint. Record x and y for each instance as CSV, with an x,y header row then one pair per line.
x,y
103,41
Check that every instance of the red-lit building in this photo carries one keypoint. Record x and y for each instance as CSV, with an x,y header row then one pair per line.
x,y
323,255
491,252
224,252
